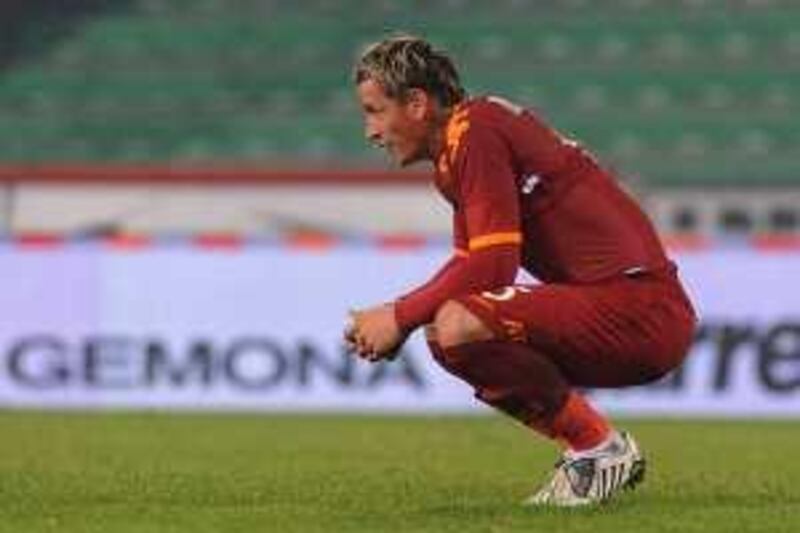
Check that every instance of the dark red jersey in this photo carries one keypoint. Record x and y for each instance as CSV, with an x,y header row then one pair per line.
x,y
524,195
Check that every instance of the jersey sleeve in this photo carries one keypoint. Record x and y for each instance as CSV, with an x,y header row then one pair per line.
x,y
481,270
487,190
460,235
486,230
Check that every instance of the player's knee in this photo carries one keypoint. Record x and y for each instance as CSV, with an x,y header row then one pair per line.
x,y
455,324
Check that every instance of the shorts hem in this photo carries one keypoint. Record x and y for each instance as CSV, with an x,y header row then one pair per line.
x,y
486,312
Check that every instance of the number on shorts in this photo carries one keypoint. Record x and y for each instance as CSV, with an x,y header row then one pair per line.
x,y
505,294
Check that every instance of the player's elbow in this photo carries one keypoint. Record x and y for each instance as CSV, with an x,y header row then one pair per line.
x,y
502,265
508,267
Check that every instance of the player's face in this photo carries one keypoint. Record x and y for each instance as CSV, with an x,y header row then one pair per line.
x,y
402,128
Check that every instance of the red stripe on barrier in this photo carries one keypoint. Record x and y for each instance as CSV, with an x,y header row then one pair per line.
x,y
220,241
39,240
400,242
311,241
128,242
224,176
325,241
775,242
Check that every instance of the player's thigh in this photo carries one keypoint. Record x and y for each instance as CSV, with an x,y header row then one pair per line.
x,y
580,328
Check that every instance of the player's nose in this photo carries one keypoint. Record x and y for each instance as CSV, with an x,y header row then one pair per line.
x,y
372,133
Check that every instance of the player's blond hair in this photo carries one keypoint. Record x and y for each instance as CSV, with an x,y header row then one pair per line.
x,y
404,62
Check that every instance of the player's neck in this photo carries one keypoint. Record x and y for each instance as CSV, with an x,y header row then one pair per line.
x,y
438,136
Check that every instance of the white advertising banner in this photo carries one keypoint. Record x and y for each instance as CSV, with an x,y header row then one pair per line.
x,y
260,328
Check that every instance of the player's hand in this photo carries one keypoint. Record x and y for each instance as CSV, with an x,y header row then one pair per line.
x,y
373,334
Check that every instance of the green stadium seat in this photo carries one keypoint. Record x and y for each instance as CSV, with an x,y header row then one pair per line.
x,y
791,44
613,48
590,97
754,142
737,46
776,96
653,98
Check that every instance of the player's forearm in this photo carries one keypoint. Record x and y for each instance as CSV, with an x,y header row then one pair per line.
x,y
483,270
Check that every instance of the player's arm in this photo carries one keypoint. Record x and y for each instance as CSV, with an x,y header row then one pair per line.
x,y
482,270
489,254
460,251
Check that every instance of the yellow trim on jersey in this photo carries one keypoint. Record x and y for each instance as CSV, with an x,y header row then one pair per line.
x,y
493,239
457,126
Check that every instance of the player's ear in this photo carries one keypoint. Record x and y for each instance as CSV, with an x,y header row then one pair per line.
x,y
417,103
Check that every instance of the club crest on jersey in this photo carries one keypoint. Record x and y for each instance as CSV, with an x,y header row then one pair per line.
x,y
529,183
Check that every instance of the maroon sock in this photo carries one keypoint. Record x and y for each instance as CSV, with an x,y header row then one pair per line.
x,y
512,377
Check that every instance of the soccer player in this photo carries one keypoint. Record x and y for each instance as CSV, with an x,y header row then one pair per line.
x,y
609,311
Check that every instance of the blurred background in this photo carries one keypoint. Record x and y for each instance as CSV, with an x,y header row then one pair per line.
x,y
176,128
694,102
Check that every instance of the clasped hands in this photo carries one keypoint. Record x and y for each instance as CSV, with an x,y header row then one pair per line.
x,y
373,334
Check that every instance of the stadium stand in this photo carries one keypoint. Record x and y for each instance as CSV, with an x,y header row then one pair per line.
x,y
674,93
694,102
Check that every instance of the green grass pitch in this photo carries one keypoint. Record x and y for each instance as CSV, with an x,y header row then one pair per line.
x,y
166,472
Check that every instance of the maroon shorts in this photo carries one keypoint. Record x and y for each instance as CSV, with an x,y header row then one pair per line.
x,y
625,331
